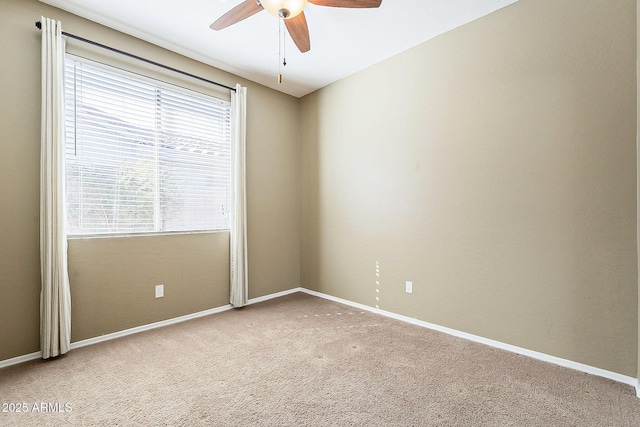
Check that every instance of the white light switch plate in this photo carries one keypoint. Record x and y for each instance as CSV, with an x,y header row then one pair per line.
x,y
159,291
408,287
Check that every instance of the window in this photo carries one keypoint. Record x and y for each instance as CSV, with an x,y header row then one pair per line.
x,y
142,155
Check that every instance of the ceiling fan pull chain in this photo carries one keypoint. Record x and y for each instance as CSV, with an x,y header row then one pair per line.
x,y
284,51
279,50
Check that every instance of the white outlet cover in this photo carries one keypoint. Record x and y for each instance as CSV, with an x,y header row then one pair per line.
x,y
159,291
409,287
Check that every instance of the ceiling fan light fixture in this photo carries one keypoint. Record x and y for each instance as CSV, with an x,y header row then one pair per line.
x,y
285,9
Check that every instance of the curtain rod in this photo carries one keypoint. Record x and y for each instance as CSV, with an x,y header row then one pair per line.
x,y
139,58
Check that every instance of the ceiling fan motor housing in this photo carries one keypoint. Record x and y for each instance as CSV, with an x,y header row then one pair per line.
x,y
285,9
284,13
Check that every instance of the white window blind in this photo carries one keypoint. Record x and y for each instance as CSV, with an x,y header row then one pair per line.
x,y
143,155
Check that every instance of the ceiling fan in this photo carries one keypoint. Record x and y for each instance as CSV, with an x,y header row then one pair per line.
x,y
291,11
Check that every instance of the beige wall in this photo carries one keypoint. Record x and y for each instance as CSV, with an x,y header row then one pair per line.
x,y
113,280
495,167
638,174
500,179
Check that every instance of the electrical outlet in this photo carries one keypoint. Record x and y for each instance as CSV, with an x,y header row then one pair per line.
x,y
159,291
408,287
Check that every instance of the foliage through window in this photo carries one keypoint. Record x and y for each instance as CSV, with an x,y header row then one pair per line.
x,y
143,155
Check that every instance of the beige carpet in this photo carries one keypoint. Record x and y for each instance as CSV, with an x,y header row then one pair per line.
x,y
304,361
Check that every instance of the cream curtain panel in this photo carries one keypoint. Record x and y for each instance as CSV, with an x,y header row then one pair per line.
x,y
55,296
238,237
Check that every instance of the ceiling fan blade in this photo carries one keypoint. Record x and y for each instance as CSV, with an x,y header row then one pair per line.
x,y
242,11
348,3
299,32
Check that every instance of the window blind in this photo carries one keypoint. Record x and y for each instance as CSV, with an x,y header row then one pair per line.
x,y
143,155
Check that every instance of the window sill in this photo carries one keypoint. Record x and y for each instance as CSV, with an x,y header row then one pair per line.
x,y
130,235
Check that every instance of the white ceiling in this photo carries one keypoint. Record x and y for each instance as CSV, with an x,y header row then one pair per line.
x,y
343,41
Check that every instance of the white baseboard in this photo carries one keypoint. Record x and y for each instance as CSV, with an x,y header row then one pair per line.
x,y
114,335
272,296
493,343
20,359
142,328
149,326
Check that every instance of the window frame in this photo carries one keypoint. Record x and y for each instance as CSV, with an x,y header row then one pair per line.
x,y
162,84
